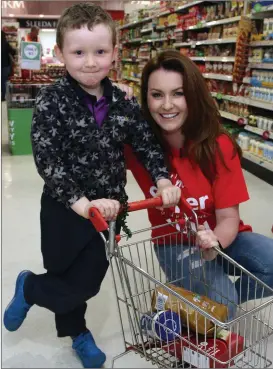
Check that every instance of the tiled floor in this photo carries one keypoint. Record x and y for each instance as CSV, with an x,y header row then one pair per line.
x,y
35,345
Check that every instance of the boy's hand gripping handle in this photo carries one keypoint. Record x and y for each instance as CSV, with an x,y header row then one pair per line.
x,y
100,223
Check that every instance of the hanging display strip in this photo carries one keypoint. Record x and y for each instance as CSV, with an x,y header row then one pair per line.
x,y
241,55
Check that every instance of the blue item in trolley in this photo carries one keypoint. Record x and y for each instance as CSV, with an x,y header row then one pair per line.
x,y
163,325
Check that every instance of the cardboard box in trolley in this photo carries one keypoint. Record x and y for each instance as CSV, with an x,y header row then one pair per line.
x,y
221,349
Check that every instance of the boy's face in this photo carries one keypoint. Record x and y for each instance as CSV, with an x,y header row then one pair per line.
x,y
88,55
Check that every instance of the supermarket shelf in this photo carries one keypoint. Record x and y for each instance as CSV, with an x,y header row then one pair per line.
x,y
230,116
214,23
221,77
257,160
189,5
159,28
157,40
213,58
207,42
261,43
244,100
261,65
260,104
182,7
146,30
134,40
264,13
133,24
217,41
258,131
132,79
222,21
143,57
131,60
220,96
182,44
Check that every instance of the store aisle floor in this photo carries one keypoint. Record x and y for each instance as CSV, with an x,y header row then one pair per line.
x,y
35,345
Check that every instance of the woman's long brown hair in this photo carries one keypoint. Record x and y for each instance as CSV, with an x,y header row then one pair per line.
x,y
203,124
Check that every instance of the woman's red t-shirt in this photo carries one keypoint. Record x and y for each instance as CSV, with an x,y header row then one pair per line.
x,y
227,190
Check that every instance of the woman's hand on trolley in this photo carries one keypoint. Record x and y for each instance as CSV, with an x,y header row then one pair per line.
x,y
170,194
207,240
108,208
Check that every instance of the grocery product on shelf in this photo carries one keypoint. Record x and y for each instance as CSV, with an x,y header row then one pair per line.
x,y
261,55
241,110
262,30
256,146
262,94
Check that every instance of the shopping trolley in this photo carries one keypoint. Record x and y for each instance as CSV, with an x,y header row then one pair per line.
x,y
198,337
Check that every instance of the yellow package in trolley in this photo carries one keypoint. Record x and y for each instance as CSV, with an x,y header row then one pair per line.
x,y
162,300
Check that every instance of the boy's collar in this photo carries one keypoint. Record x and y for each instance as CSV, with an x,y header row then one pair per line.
x,y
81,93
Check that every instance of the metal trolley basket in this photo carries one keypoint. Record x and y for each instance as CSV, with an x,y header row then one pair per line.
x,y
164,336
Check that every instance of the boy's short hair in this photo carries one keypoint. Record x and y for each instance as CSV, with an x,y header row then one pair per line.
x,y
80,15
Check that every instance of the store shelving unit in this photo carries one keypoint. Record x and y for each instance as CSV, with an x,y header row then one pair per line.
x,y
175,35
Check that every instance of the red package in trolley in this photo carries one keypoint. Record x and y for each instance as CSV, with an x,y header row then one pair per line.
x,y
209,353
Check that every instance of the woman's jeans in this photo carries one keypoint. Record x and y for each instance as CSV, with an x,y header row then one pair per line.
x,y
252,251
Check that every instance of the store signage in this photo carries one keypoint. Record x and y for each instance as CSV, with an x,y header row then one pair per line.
x,y
13,5
30,55
40,23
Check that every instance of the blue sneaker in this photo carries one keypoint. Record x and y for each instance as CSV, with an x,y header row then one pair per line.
x,y
18,308
87,350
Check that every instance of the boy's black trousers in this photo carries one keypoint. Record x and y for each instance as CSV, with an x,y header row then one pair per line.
x,y
75,259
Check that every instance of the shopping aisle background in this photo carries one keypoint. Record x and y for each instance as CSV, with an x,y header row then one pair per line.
x,y
35,345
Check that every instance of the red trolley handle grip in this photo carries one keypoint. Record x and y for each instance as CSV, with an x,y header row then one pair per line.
x,y
100,223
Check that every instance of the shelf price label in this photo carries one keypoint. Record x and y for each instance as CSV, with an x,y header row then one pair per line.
x,y
31,55
242,121
266,135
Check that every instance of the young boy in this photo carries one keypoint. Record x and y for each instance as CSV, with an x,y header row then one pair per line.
x,y
80,125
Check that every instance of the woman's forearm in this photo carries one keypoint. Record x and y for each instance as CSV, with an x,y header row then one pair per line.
x,y
226,230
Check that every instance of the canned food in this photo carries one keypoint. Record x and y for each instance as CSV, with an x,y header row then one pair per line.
x,y
163,325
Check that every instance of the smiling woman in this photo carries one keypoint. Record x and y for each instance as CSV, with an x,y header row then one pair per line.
x,y
166,100
204,161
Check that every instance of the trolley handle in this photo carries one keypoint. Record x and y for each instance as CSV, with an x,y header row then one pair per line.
x,y
100,223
